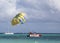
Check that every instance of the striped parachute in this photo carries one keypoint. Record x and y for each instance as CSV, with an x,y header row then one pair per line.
x,y
19,18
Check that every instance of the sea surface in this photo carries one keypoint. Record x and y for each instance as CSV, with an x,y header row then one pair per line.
x,y
22,38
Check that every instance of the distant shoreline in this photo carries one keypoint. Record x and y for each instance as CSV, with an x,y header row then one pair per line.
x,y
38,33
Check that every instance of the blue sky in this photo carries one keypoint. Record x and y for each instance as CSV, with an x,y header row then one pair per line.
x,y
42,16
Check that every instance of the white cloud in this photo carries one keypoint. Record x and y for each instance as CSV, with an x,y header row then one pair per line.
x,y
7,8
55,4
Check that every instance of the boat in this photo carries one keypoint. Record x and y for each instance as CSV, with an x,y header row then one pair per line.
x,y
34,35
9,33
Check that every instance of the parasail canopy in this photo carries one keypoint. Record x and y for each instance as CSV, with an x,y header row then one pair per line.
x,y
19,18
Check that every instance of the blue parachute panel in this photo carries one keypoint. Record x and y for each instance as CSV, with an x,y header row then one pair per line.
x,y
21,21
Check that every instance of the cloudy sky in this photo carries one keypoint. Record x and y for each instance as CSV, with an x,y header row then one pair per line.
x,y
42,16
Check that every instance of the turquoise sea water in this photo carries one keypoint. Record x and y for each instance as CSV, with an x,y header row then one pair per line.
x,y
22,38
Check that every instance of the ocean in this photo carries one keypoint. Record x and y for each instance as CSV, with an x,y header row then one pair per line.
x,y
22,38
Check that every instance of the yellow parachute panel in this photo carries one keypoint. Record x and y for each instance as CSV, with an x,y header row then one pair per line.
x,y
15,21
